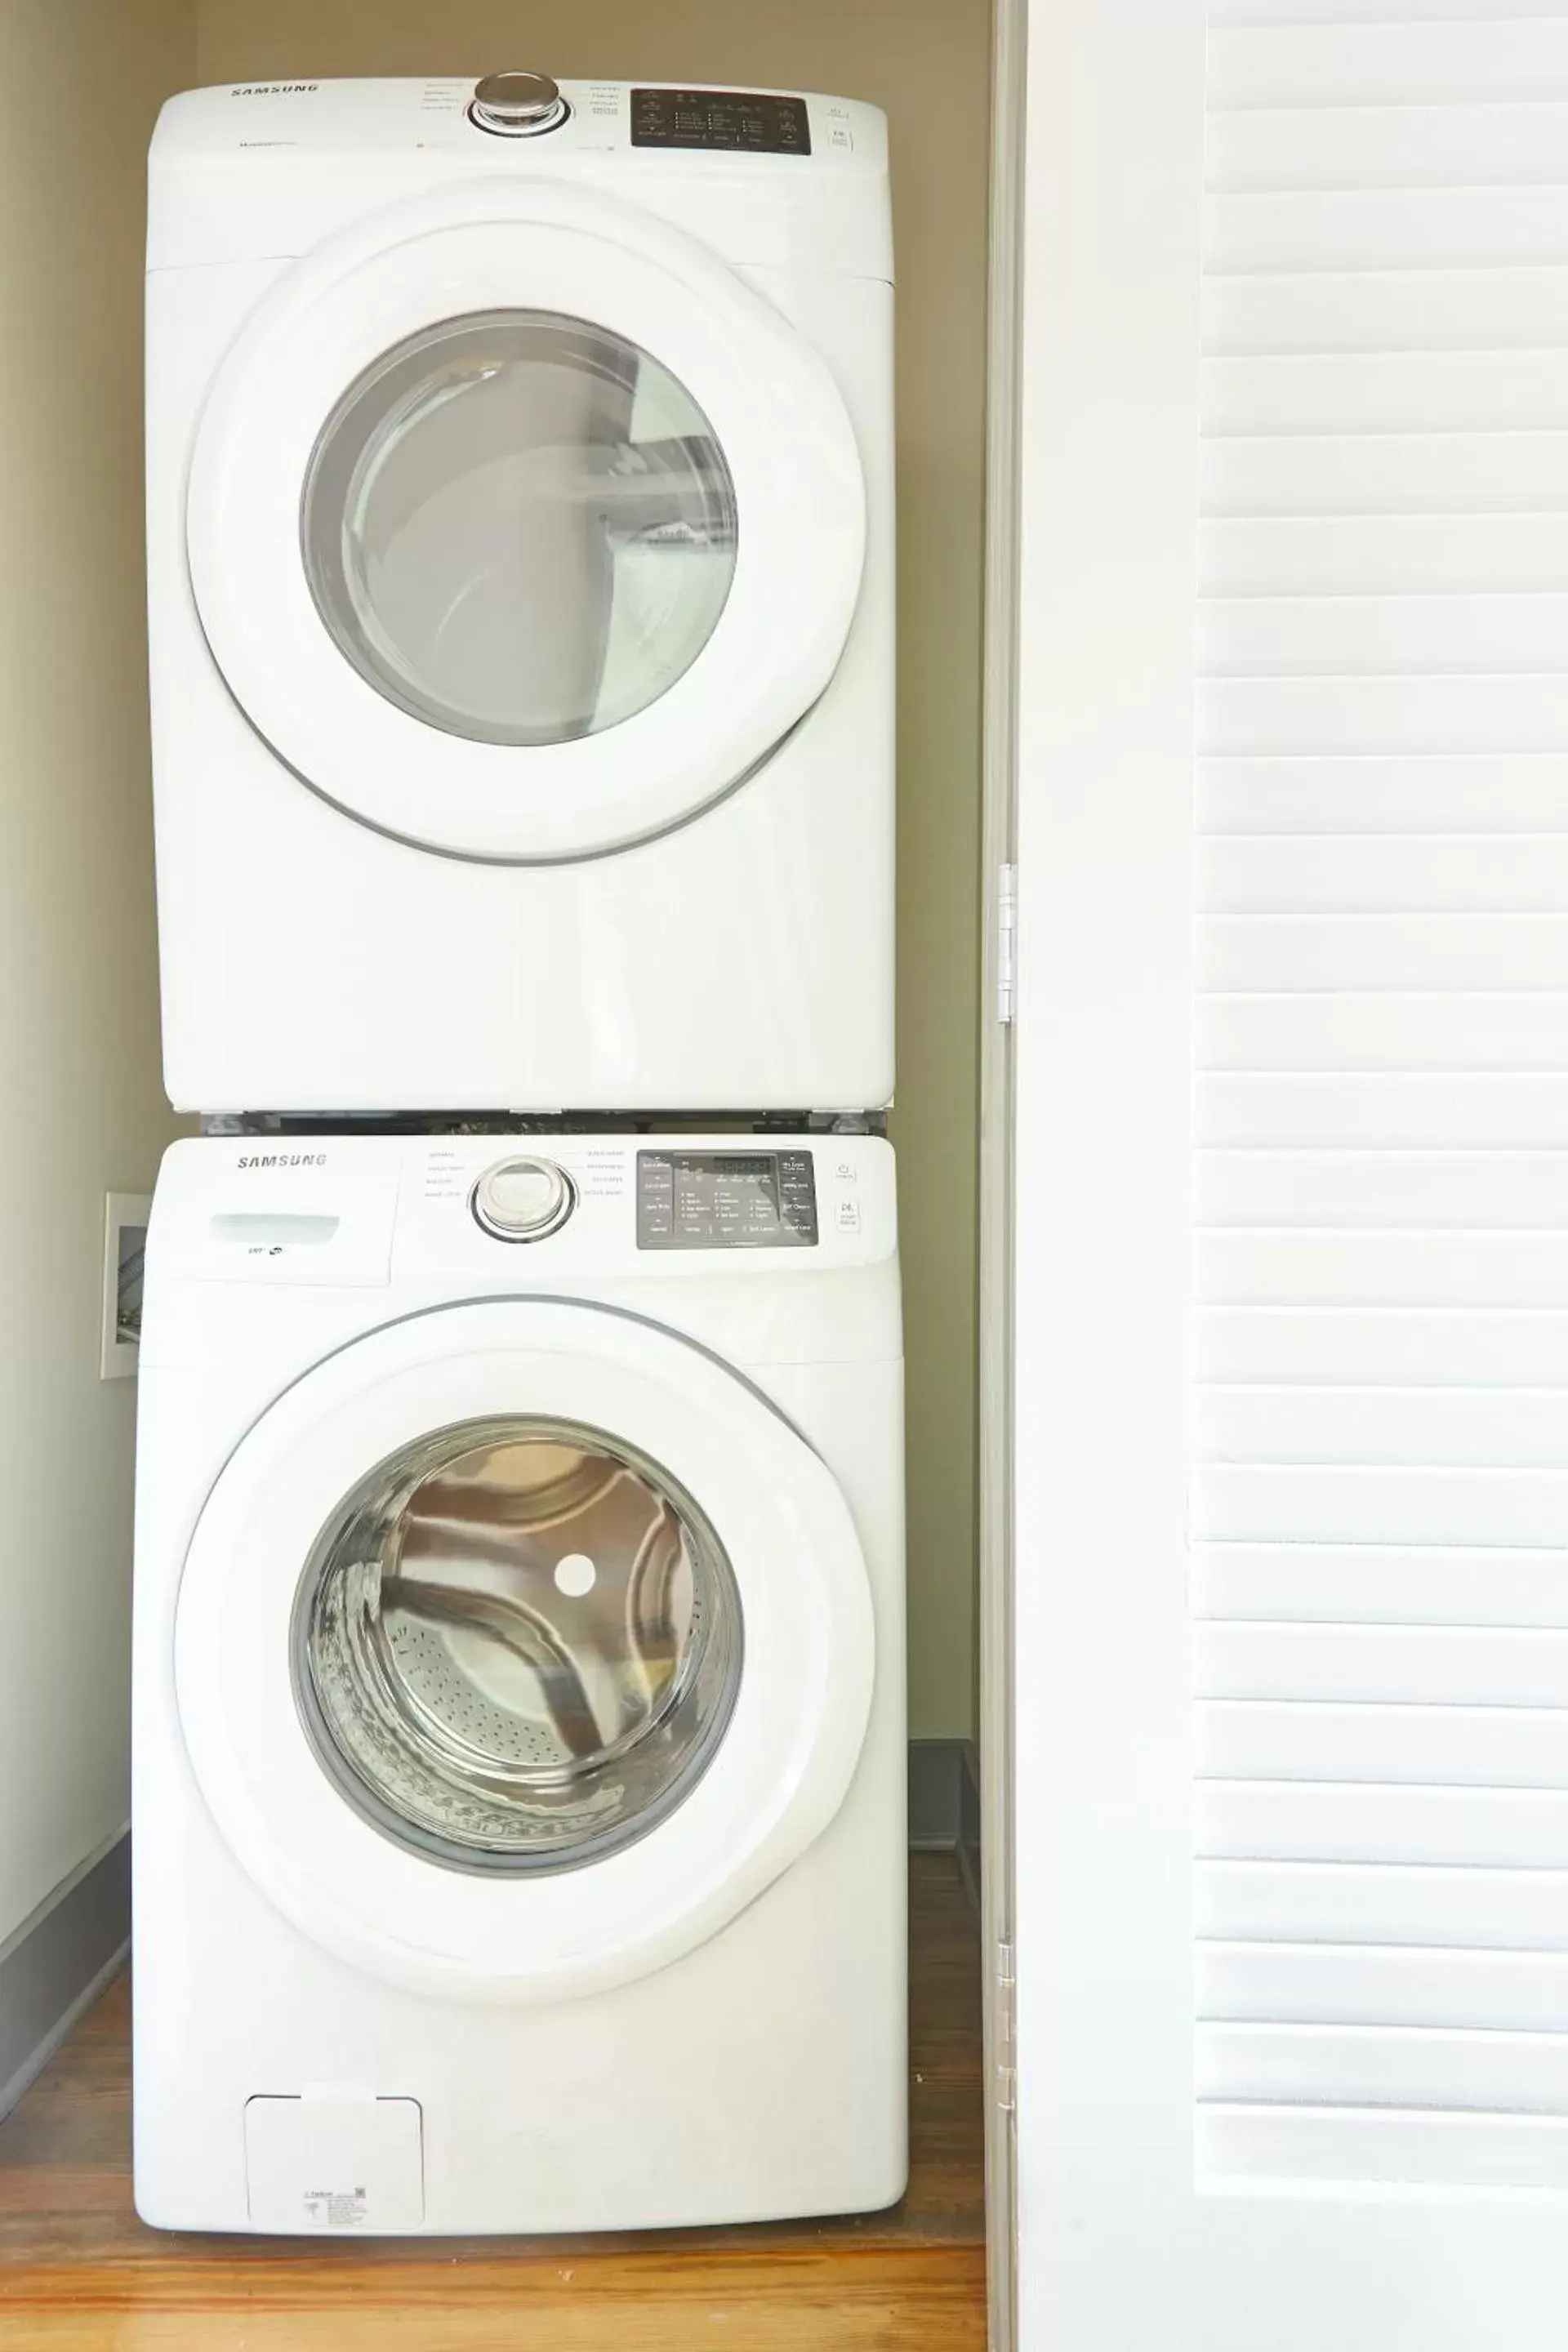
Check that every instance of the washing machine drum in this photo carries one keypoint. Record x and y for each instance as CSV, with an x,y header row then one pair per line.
x,y
517,1643
519,525
519,1646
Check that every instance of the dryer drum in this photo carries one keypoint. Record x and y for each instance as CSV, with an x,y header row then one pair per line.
x,y
519,527
517,1645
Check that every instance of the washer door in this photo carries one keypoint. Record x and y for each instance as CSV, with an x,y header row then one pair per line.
x,y
519,526
519,1646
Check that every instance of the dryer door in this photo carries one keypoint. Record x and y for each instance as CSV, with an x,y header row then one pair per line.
x,y
519,526
519,1644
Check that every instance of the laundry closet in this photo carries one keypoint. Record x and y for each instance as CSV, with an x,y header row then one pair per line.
x,y
266,937
1270,1279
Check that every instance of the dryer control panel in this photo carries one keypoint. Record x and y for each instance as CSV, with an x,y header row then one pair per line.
x,y
747,122
767,178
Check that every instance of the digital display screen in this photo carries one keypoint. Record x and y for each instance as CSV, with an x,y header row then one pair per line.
x,y
741,121
726,1199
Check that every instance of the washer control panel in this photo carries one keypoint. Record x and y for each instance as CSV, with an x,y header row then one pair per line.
x,y
343,1212
749,123
521,1199
726,1199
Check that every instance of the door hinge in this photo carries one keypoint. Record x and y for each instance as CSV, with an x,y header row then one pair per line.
x,y
1007,2019
1006,941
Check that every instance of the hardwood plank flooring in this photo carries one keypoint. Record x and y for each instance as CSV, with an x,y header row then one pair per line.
x,y
79,2273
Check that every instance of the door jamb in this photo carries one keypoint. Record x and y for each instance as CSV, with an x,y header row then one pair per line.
x,y
998,868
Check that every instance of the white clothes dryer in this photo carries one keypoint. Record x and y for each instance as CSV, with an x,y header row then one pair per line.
x,y
520,545
519,1794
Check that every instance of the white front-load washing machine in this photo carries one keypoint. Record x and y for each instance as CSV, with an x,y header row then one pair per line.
x,y
519,546
519,1792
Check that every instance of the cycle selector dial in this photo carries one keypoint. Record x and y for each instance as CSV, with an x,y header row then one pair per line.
x,y
518,105
523,1198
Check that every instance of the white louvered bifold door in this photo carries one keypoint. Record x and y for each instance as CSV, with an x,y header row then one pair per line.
x,y
1293,1175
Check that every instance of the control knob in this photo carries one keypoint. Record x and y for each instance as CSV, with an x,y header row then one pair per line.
x,y
522,1200
518,105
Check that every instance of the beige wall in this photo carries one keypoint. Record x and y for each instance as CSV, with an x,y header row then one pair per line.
x,y
81,1109
926,61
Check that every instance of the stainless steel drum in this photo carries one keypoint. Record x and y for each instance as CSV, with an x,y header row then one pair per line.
x,y
517,1644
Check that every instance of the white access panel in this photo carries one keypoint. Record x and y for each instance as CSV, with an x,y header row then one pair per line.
x,y
334,2159
1292,1247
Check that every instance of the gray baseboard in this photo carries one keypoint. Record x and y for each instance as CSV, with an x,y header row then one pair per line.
x,y
944,1804
59,1960
968,1824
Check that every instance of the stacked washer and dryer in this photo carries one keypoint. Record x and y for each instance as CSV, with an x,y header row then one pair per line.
x,y
519,1790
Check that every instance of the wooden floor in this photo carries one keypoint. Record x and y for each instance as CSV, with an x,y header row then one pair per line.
x,y
79,2273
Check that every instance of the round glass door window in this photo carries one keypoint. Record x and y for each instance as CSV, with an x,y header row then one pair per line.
x,y
519,527
517,1645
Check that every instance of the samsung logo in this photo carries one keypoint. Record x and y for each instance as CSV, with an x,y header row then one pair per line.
x,y
284,1159
274,88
